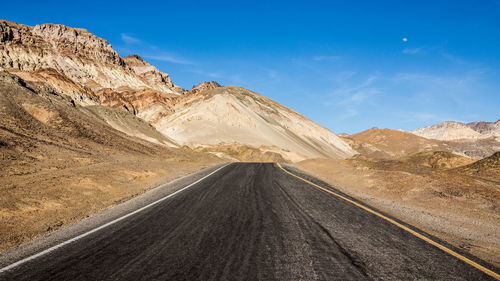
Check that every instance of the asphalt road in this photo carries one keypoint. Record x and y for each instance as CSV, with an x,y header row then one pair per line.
x,y
249,221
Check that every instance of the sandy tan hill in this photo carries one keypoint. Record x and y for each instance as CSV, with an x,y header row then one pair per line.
x,y
437,159
210,115
77,54
61,162
387,143
417,163
231,114
487,168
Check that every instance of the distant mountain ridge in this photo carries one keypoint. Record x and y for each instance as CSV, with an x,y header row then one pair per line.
x,y
453,131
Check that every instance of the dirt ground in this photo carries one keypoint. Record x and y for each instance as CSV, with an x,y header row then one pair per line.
x,y
460,209
35,204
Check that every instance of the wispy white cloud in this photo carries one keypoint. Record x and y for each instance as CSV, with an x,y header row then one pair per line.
x,y
433,97
326,58
353,95
452,58
135,45
413,51
169,58
212,74
233,78
343,76
270,73
129,39
425,118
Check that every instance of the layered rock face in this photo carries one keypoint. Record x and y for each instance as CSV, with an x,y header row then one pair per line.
x,y
151,75
491,129
77,54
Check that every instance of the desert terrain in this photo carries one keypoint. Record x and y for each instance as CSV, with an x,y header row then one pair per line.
x,y
83,129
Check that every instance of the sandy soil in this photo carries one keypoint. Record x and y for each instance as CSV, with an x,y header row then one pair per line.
x,y
462,210
33,205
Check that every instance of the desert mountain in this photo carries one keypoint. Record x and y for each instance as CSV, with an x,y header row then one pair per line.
x,y
84,67
475,140
453,131
387,143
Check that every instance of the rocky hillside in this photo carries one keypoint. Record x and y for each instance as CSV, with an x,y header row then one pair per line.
x,y
84,67
77,54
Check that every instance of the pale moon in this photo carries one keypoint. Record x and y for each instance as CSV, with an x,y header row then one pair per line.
x,y
405,39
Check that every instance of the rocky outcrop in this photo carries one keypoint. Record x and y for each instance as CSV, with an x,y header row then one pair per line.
x,y
78,55
203,86
150,73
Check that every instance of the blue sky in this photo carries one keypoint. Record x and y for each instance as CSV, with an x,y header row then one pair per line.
x,y
343,64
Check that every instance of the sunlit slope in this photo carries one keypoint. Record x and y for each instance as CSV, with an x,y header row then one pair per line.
x,y
236,115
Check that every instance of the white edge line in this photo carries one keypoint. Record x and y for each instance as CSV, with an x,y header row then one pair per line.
x,y
46,251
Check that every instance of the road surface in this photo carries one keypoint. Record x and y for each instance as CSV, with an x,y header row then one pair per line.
x,y
249,221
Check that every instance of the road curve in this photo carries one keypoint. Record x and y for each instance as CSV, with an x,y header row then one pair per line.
x,y
249,221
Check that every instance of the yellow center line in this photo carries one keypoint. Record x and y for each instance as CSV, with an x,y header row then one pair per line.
x,y
430,241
